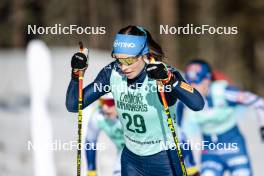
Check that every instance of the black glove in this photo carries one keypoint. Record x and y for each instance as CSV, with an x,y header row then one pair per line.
x,y
160,72
157,71
79,62
262,133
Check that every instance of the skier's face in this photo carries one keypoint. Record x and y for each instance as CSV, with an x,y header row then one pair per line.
x,y
109,111
202,87
131,71
198,76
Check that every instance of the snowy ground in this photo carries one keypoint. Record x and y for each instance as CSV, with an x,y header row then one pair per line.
x,y
16,159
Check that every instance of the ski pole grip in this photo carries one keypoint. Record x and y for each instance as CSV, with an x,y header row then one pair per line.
x,y
81,46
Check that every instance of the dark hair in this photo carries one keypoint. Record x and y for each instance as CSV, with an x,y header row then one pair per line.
x,y
155,49
132,30
201,62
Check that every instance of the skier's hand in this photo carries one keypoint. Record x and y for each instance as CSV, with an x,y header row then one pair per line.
x,y
160,72
79,62
157,70
91,173
262,133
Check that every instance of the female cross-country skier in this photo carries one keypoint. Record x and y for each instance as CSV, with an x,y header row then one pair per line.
x,y
104,118
224,145
132,80
191,166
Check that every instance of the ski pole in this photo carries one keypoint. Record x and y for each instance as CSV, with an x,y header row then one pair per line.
x,y
80,107
170,123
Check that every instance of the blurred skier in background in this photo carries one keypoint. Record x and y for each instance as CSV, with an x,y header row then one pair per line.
x,y
225,148
104,118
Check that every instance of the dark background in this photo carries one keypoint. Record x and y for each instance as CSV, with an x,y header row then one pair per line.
x,y
239,56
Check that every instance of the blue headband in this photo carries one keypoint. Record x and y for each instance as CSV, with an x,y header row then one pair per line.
x,y
130,44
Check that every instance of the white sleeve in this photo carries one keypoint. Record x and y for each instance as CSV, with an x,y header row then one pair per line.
x,y
248,99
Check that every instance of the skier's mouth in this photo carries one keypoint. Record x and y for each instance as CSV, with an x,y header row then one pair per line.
x,y
127,73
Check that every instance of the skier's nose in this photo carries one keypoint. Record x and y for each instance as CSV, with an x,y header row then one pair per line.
x,y
123,67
